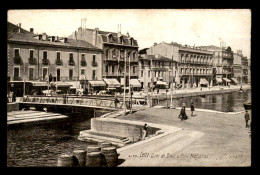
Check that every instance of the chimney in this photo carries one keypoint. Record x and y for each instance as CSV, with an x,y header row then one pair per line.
x,y
56,38
19,27
40,37
95,36
155,44
31,30
127,34
65,40
53,38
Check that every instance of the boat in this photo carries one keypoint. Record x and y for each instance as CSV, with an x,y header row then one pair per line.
x,y
247,105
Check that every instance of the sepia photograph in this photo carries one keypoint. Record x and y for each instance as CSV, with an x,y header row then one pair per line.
x,y
129,88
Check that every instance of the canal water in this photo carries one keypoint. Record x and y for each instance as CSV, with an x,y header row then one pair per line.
x,y
228,102
40,145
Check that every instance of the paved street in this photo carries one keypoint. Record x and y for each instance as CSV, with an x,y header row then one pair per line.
x,y
208,139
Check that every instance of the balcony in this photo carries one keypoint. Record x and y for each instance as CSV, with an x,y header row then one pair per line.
x,y
45,61
94,64
17,60
32,61
58,62
71,62
83,63
17,79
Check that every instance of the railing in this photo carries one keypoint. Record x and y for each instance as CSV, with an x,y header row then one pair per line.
x,y
45,61
17,79
71,62
17,60
84,101
83,63
95,64
32,61
58,62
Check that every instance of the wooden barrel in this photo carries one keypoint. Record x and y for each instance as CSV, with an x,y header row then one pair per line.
x,y
81,156
94,159
66,160
92,148
104,145
110,155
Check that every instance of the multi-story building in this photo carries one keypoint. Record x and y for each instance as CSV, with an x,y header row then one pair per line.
x,y
222,64
33,57
118,50
237,66
192,65
155,71
245,69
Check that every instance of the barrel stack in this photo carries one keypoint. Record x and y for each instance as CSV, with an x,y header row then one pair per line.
x,y
103,155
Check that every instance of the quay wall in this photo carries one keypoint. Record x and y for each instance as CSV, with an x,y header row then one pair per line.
x,y
12,107
120,128
191,94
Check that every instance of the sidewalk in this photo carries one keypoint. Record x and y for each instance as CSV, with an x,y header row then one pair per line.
x,y
208,139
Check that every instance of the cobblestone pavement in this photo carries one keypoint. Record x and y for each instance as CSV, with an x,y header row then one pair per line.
x,y
224,140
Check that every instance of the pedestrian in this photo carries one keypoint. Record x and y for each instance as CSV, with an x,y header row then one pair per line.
x,y
116,101
13,97
192,108
182,114
247,118
144,131
158,90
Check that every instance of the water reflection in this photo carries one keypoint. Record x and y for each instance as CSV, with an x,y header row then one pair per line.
x,y
228,102
40,145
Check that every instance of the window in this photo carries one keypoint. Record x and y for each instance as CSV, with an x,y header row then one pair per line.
x,y
142,73
113,69
44,72
44,54
16,72
82,72
94,58
149,73
70,74
134,54
82,56
58,55
134,69
93,74
114,52
107,54
16,52
106,68
31,73
31,53
71,57
58,74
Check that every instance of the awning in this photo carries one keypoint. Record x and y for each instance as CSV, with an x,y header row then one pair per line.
x,y
112,82
235,80
62,84
135,83
204,81
161,83
227,80
38,83
219,80
75,84
97,83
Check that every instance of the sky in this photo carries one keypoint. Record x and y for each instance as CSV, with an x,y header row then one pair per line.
x,y
148,26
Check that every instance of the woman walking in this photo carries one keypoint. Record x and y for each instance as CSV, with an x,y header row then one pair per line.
x,y
183,115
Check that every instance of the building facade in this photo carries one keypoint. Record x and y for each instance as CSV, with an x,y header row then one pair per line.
x,y
237,66
222,64
31,57
192,66
245,68
118,50
155,71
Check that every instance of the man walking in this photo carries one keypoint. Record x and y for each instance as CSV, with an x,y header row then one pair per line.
x,y
116,101
192,108
247,118
144,134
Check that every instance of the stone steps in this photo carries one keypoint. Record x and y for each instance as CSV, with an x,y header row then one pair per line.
x,y
97,136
